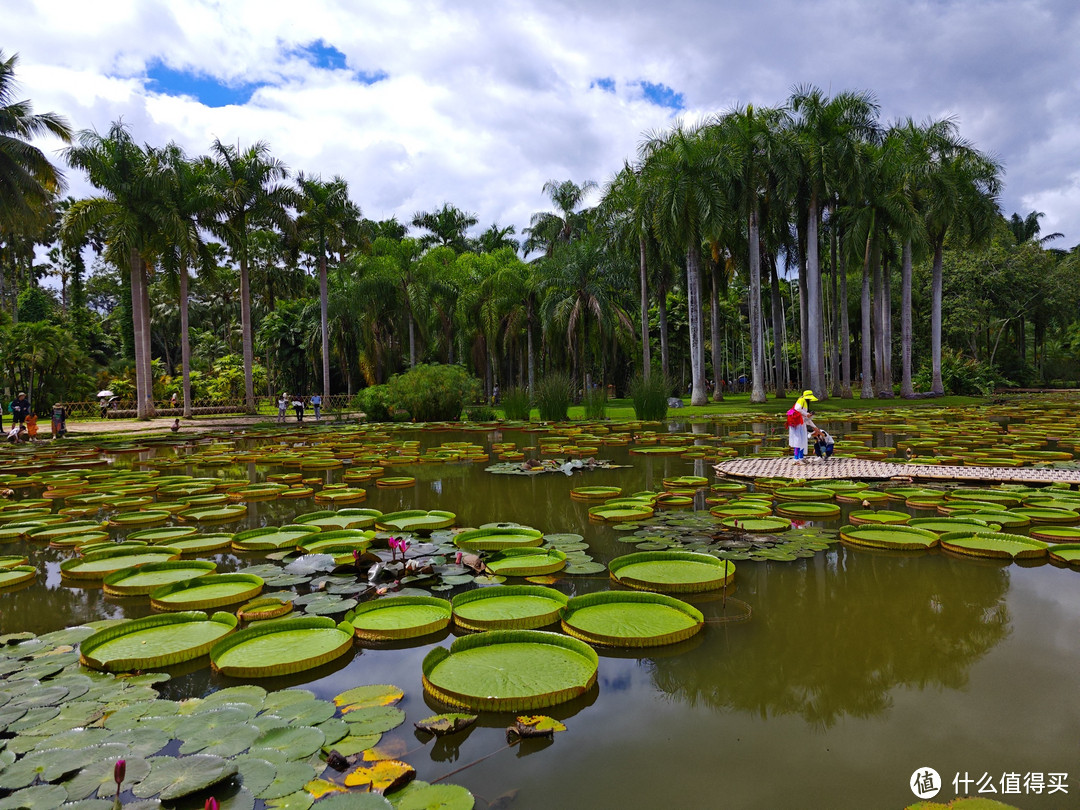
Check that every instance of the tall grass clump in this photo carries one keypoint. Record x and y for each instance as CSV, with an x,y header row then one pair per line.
x,y
517,404
554,393
596,403
650,396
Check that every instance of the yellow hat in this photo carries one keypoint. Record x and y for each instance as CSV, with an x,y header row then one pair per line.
x,y
809,395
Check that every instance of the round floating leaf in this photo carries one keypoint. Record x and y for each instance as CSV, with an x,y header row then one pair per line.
x,y
255,774
288,743
39,797
510,670
628,619
146,578
174,778
282,647
289,778
374,720
354,800
422,796
354,744
382,776
443,724
894,537
672,571
522,607
204,593
496,539
400,617
97,777
155,641
996,544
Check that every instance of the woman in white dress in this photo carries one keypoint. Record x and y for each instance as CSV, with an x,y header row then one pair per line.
x,y
798,420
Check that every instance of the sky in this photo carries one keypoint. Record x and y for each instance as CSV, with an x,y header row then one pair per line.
x,y
479,103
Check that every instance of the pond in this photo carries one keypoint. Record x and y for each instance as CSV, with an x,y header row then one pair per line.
x,y
821,681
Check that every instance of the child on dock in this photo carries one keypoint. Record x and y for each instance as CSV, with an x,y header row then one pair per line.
x,y
823,444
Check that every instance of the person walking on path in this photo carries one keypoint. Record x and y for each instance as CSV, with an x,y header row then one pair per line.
x,y
59,421
298,407
316,403
797,419
282,407
20,409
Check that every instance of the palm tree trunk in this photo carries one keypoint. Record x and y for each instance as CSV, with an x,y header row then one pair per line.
x,y
646,357
834,353
412,341
879,361
816,337
661,304
324,323
804,328
936,386
845,333
867,388
714,333
147,354
886,330
697,333
907,390
185,340
778,326
532,357
757,362
137,279
245,328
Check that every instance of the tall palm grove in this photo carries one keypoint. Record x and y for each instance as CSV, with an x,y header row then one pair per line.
x,y
808,244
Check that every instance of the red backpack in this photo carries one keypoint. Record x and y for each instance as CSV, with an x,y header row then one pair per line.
x,y
794,418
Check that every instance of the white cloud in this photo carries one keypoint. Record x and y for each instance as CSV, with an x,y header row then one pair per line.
x,y
485,101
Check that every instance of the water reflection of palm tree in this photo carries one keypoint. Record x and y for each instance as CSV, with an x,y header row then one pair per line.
x,y
834,637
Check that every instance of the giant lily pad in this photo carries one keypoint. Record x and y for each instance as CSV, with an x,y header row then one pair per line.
x,y
510,670
415,520
628,619
399,617
618,512
143,579
672,571
282,647
527,562
224,513
496,539
155,641
341,519
16,575
1056,534
98,564
996,544
1068,553
906,538
202,543
272,539
513,607
207,592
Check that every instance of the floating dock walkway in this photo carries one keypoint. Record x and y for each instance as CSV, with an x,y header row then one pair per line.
x,y
860,469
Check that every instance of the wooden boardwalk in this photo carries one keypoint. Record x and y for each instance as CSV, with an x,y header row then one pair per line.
x,y
860,469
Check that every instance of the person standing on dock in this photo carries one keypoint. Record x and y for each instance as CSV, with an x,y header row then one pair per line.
x,y
797,419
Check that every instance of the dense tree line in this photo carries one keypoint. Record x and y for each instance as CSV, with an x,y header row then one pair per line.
x,y
806,244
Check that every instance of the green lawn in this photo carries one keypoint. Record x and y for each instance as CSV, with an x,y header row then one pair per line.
x,y
623,409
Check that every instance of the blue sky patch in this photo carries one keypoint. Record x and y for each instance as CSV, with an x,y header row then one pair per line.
x,y
662,96
321,54
205,89
371,76
607,84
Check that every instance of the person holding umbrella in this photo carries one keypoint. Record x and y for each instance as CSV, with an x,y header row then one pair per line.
x,y
103,402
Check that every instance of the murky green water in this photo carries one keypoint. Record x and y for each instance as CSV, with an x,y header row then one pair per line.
x,y
856,668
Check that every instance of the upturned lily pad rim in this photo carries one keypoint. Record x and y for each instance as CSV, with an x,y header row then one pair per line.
x,y
76,567
165,597
907,538
725,571
765,524
249,540
274,607
270,668
497,539
992,544
1073,549
492,639
393,603
16,575
435,519
528,621
588,600
1055,534
505,564
176,656
115,582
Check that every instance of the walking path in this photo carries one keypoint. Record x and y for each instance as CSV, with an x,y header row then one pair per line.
x,y
855,468
200,424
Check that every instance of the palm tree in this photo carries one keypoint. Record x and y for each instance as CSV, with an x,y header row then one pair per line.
x,y
446,227
752,140
496,238
27,179
189,205
249,192
828,130
546,229
686,175
962,185
133,213
325,213
1028,228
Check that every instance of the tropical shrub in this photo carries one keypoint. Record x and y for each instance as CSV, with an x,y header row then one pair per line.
x,y
480,413
960,375
375,402
517,404
434,393
596,403
554,393
650,397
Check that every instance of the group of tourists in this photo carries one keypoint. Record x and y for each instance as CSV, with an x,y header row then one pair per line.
x,y
24,422
298,405
801,429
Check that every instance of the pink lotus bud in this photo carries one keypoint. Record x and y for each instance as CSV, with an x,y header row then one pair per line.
x,y
457,558
211,804
119,771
